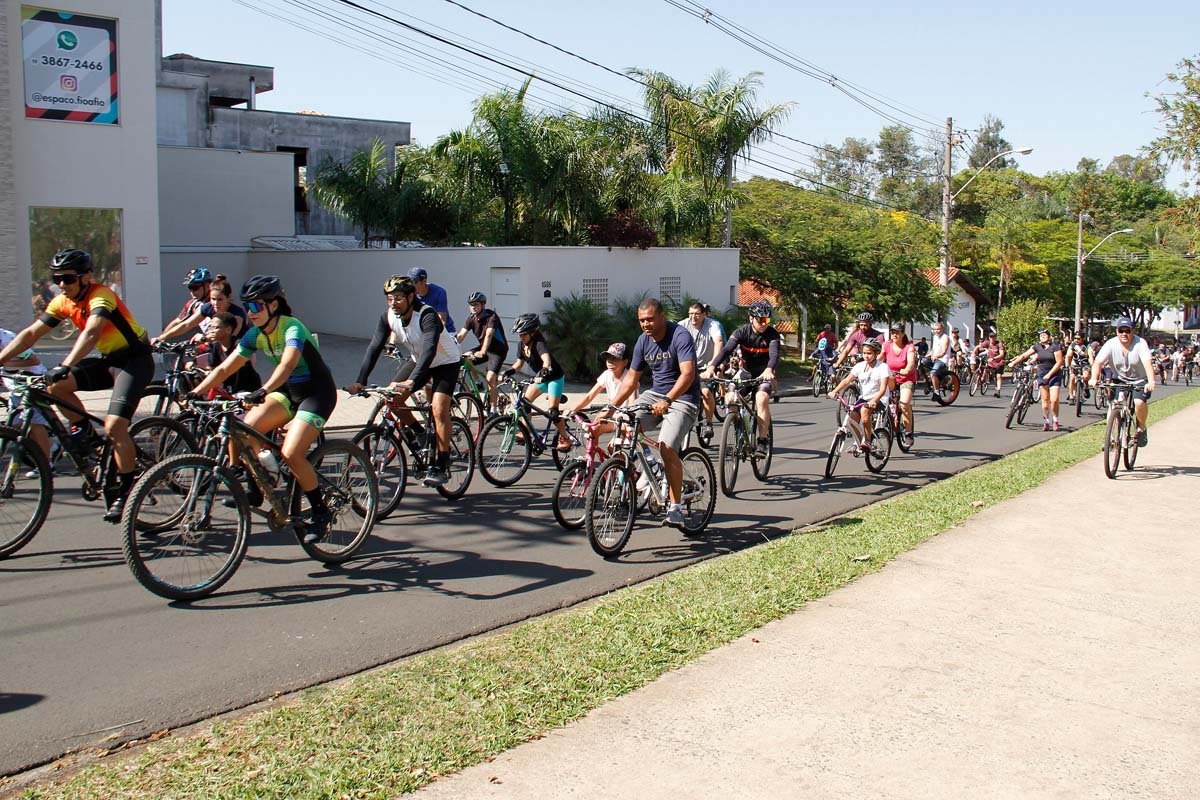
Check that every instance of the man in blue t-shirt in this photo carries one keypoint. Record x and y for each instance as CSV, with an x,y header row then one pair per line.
x,y
432,295
674,396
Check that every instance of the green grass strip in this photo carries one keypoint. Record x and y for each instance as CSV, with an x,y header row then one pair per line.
x,y
394,730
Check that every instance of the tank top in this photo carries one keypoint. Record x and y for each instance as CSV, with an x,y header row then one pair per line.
x,y
409,338
898,360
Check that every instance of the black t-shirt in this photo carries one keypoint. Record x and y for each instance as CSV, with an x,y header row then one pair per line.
x,y
532,355
1045,357
759,350
478,324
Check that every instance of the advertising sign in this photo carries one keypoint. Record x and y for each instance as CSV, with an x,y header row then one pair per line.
x,y
70,66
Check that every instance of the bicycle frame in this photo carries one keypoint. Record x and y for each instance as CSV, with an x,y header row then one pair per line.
x,y
522,409
634,450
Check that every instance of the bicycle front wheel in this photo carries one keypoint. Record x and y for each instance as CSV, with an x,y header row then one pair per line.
x,y
390,463
611,507
504,451
24,501
468,408
1130,450
852,395
569,499
835,453
184,528
729,454
699,496
880,451
1112,445
350,489
947,391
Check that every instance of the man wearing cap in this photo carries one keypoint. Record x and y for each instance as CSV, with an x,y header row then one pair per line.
x,y
1129,357
432,295
609,382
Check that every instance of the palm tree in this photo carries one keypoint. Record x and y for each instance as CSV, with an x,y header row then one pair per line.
x,y
355,189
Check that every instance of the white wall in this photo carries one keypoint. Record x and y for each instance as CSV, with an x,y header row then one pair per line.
x,y
341,292
223,198
176,263
83,165
961,316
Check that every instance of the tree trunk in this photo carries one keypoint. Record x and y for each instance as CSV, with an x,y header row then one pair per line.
x,y
727,236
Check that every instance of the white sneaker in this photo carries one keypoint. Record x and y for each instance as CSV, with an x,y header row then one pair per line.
x,y
674,516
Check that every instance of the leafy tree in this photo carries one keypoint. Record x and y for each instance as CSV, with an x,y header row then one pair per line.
x,y
1179,110
989,144
355,188
848,167
1139,169
580,331
1018,323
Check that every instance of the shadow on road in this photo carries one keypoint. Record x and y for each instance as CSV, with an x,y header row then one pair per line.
x,y
16,701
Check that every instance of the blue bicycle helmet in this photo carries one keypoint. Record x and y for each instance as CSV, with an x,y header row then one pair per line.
x,y
198,275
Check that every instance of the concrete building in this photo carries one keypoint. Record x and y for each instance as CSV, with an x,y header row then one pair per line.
x,y
211,104
78,134
967,298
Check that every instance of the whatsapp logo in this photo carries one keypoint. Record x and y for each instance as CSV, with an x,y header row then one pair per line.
x,y
67,40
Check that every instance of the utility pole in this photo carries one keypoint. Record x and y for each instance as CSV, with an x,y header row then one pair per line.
x,y
944,265
1079,259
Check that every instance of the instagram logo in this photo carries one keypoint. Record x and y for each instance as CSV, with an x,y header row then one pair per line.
x,y
69,83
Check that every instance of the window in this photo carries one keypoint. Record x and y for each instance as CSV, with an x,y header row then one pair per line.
x,y
96,230
596,290
300,175
670,290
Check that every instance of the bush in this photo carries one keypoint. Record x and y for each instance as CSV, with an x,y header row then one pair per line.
x,y
579,331
623,229
1017,324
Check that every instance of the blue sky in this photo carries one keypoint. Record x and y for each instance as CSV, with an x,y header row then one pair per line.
x,y
1068,78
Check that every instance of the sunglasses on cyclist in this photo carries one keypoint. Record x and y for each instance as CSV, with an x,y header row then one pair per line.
x,y
194,286
1124,330
65,279
254,306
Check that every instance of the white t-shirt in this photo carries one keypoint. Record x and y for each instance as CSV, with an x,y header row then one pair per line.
x,y
1126,365
611,383
939,347
408,338
6,338
870,379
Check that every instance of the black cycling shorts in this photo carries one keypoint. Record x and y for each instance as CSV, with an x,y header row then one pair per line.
x,y
311,402
443,379
127,372
494,360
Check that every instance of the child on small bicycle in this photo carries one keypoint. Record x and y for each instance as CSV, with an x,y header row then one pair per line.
x,y
609,382
872,376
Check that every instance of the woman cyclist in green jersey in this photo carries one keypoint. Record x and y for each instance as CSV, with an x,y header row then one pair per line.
x,y
300,387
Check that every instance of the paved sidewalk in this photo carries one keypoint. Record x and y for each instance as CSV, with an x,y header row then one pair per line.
x,y
1049,647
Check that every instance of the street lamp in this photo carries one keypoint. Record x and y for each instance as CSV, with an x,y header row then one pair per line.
x,y
1081,259
948,202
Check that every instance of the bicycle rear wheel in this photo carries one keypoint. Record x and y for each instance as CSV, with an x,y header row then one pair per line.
x,y
462,461
351,492
569,499
611,507
1112,445
24,501
835,453
198,539
851,395
761,465
948,389
729,453
564,457
903,441
1023,409
502,459
699,496
390,463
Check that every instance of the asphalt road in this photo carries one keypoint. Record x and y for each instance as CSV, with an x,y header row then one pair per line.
x,y
90,658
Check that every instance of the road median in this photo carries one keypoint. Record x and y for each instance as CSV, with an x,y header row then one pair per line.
x,y
394,729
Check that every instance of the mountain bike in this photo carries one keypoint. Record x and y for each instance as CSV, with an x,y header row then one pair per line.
x,y
471,401
1079,377
1024,395
981,376
26,478
391,445
703,435
187,520
822,374
901,435
163,398
739,435
628,482
509,441
875,455
1120,434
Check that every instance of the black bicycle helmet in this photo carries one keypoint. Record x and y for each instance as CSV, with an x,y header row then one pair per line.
x,y
198,275
77,261
761,308
477,297
399,283
262,287
526,323
866,316
897,327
